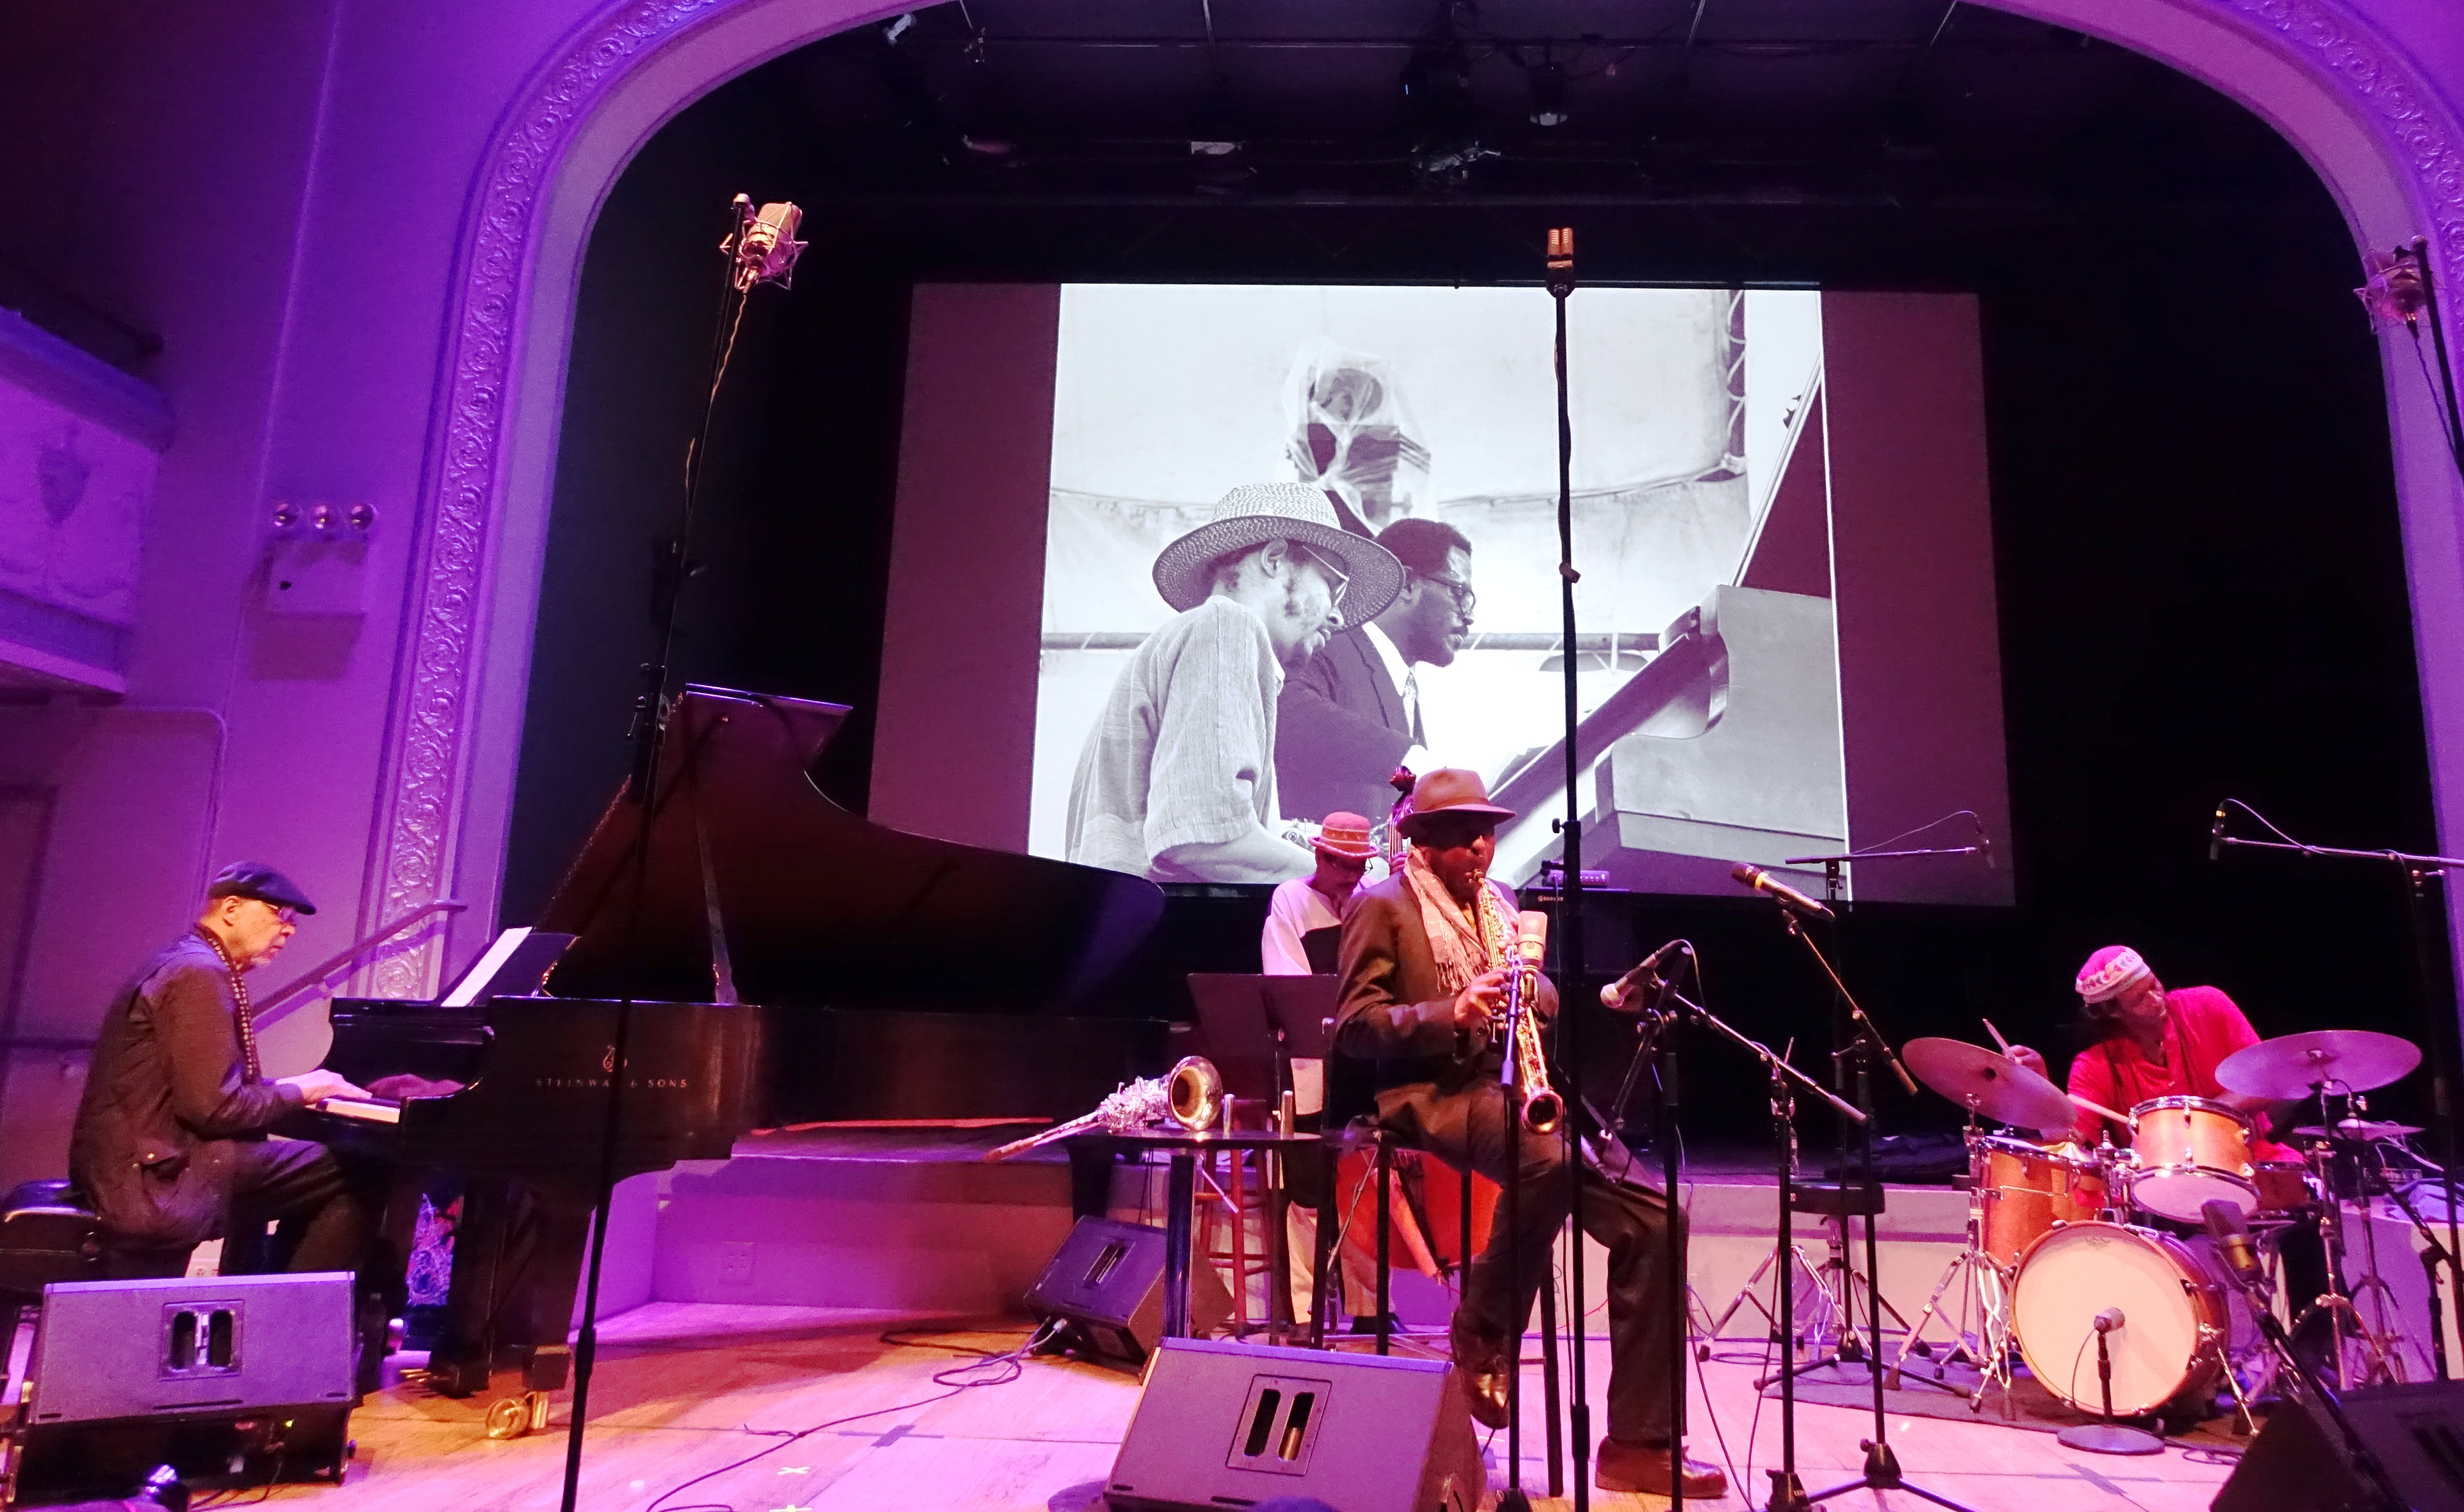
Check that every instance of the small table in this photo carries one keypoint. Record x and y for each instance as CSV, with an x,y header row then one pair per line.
x,y
1180,1199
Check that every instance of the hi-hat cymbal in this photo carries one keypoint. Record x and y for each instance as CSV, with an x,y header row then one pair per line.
x,y
2357,1128
1994,1086
2295,1064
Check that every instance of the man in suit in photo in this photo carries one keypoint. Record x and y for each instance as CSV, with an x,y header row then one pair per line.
x,y
1351,715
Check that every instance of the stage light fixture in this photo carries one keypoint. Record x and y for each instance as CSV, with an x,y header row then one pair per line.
x,y
1548,94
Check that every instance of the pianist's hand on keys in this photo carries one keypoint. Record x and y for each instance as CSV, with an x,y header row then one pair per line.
x,y
315,1087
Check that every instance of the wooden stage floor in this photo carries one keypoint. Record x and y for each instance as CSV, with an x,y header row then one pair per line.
x,y
688,1390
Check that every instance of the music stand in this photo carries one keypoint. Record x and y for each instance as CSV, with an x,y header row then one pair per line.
x,y
1253,1027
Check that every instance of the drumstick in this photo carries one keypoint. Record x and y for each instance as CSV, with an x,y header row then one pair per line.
x,y
2003,1044
2099,1108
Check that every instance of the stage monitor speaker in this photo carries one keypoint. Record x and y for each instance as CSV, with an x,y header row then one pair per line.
x,y
1223,1424
232,1380
2298,1462
1105,1287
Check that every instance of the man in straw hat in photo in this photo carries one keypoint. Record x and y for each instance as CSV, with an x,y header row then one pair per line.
x,y
1176,781
1424,967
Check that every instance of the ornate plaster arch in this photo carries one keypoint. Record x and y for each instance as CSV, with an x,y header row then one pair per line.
x,y
2353,103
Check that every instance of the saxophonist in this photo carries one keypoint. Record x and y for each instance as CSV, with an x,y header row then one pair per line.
x,y
1424,961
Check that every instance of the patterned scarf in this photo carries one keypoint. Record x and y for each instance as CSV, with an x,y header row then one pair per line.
x,y
239,993
1463,947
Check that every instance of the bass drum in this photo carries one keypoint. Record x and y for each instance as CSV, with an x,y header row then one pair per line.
x,y
2177,1315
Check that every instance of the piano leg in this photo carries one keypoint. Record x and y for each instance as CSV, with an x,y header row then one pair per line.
x,y
553,1280
458,1361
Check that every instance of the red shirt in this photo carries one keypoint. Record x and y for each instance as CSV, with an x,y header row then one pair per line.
x,y
2202,1026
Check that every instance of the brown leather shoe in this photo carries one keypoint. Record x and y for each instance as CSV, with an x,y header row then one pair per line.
x,y
1480,1362
1632,1467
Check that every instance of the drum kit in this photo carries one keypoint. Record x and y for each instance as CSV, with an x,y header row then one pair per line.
x,y
2060,1235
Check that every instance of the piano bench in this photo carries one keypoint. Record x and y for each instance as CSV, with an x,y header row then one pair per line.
x,y
47,1234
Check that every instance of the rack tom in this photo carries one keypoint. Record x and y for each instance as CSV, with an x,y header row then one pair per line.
x,y
2026,1191
2189,1152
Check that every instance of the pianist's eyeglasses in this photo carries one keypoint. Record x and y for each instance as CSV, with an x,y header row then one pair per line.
x,y
1337,577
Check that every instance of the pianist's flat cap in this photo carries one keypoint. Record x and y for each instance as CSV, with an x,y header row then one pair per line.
x,y
254,879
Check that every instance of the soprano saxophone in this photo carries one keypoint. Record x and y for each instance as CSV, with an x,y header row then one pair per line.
x,y
1527,1067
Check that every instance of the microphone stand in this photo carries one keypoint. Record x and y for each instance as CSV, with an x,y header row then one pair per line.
x,y
1673,1011
1558,269
748,265
2417,871
2105,1436
1864,1044
2252,1285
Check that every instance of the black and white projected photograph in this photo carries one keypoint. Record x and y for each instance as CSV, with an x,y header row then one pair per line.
x,y
1192,424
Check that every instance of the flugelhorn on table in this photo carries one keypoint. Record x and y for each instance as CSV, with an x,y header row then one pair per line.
x,y
1191,1095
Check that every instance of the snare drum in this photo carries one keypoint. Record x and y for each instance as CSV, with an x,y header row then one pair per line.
x,y
2177,1315
2187,1153
2026,1190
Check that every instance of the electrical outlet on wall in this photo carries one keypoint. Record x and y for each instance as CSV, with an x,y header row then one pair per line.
x,y
736,1264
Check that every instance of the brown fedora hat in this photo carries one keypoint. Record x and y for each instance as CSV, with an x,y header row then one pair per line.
x,y
1449,790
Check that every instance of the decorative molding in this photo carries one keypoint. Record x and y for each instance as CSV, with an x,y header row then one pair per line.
x,y
434,681
2361,68
435,678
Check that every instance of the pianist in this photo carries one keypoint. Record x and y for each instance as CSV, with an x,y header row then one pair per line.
x,y
171,1141
1176,781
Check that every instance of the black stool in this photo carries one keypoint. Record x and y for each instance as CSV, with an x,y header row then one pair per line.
x,y
47,1234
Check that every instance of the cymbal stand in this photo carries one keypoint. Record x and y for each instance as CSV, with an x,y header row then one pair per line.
x,y
1864,1044
1674,1010
2426,926
1982,1299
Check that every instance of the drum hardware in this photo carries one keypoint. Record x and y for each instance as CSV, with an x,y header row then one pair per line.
x,y
1983,1299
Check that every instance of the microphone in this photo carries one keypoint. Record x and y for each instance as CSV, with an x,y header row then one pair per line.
x,y
2108,1320
1531,939
764,246
1788,897
1646,975
2232,1235
2216,834
1985,844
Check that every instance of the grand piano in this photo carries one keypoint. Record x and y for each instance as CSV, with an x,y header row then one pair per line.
x,y
746,955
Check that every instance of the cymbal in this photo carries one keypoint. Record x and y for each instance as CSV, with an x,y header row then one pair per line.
x,y
2357,1128
2292,1065
1994,1086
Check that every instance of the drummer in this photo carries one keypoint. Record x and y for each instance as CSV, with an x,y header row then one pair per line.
x,y
2157,1041
2153,1041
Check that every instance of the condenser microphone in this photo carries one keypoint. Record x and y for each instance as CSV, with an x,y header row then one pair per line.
x,y
1531,939
1644,976
765,246
2108,1320
2232,1235
2216,834
1770,886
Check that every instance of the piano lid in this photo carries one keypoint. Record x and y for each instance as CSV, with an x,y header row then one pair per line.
x,y
754,881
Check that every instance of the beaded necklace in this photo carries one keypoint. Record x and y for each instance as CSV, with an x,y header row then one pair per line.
x,y
239,992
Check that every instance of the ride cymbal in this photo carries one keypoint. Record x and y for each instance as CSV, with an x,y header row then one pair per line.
x,y
2294,1065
